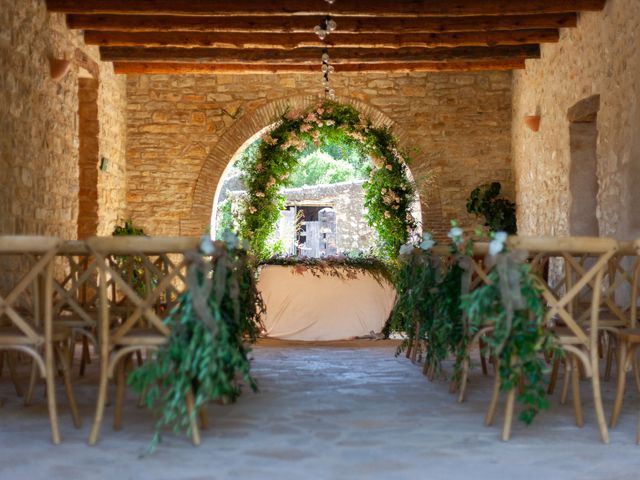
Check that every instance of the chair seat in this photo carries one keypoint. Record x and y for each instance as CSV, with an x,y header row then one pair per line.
x,y
15,336
142,337
630,335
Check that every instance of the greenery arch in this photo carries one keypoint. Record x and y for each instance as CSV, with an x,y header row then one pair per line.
x,y
389,194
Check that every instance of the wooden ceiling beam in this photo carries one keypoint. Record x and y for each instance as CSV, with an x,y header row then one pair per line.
x,y
300,40
296,24
312,55
149,68
360,8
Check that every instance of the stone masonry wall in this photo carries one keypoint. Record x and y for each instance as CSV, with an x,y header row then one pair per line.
x,y
184,130
600,57
39,142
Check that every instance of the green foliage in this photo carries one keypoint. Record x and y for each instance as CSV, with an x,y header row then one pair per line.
x,y
206,353
499,213
128,228
226,220
320,168
341,266
322,127
512,303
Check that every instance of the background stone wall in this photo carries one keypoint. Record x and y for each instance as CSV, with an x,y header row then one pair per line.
x,y
39,142
601,56
184,130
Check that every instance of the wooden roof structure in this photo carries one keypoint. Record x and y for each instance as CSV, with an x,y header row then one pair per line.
x,y
261,36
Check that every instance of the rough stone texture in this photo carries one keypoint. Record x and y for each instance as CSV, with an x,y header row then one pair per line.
x,y
184,130
350,410
39,142
602,57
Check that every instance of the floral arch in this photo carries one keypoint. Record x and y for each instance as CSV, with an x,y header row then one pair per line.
x,y
389,191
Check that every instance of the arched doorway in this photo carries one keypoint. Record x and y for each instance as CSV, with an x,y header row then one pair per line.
x,y
241,134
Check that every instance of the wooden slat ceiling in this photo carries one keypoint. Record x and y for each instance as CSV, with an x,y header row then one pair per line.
x,y
261,36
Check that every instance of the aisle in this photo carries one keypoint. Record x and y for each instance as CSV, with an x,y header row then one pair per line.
x,y
346,410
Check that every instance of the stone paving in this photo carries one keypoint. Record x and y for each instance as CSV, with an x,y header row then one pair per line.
x,y
338,411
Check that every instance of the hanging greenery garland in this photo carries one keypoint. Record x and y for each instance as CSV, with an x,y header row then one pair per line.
x,y
389,194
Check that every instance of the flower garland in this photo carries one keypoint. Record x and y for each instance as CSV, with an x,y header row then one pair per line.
x,y
389,194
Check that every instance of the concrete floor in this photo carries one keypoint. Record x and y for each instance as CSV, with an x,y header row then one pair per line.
x,y
339,411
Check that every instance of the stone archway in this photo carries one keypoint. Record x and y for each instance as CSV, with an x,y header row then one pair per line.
x,y
237,135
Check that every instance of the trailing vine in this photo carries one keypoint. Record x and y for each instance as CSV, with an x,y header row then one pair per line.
x,y
206,354
513,305
389,194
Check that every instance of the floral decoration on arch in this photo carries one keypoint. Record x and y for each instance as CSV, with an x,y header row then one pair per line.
x,y
389,194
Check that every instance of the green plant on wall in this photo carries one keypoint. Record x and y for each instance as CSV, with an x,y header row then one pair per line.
x,y
499,213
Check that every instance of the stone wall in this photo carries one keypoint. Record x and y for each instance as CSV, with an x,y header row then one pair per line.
x,y
184,130
600,57
39,141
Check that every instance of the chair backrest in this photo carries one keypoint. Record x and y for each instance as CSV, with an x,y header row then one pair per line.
x,y
585,261
35,256
159,264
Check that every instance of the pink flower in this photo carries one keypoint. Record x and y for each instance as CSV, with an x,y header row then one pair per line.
x,y
260,194
252,210
269,139
293,115
387,215
389,167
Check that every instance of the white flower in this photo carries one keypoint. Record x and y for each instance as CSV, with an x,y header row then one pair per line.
x,y
206,245
495,247
387,215
427,243
455,234
406,249
501,236
252,210
497,244
230,239
329,122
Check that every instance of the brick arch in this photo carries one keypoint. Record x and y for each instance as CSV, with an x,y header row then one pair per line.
x,y
234,137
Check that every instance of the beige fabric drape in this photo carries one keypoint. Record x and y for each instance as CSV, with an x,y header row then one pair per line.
x,y
305,307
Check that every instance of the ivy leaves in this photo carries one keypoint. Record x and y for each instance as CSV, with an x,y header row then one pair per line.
x,y
330,123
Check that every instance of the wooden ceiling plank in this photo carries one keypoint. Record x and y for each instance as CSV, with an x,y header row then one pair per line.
x,y
221,69
412,8
312,55
295,24
302,40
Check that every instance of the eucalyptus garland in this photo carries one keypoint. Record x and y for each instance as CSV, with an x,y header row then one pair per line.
x,y
343,267
389,194
206,354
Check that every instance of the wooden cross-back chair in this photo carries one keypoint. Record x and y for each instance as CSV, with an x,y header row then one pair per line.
x,y
628,341
578,339
140,326
30,329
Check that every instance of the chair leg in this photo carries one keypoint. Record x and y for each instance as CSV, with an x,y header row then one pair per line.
x,y
51,392
464,379
85,357
597,399
554,376
102,399
622,377
566,380
63,357
204,419
33,376
575,383
14,373
193,424
610,352
635,366
120,384
483,359
493,404
508,415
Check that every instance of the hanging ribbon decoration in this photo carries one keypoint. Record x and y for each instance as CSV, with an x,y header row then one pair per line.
x,y
326,26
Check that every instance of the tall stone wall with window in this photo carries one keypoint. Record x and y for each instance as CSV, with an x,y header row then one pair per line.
x,y
600,57
184,130
39,127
